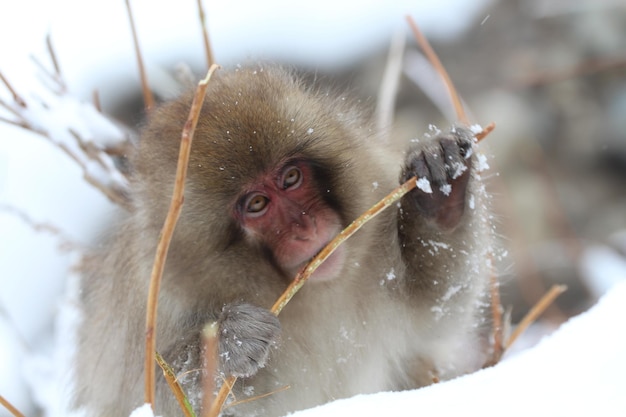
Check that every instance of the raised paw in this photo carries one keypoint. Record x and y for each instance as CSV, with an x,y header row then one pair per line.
x,y
247,333
443,167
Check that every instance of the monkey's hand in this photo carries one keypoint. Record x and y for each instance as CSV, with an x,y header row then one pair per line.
x,y
442,166
247,333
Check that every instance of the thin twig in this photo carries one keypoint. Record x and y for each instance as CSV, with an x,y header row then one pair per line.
x,y
175,387
10,407
210,337
53,57
258,397
486,130
388,92
535,312
114,194
205,36
95,95
167,233
11,109
50,75
434,60
16,97
148,98
17,123
328,250
496,312
38,227
89,149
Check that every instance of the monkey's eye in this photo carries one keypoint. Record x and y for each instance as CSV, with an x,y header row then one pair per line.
x,y
292,178
256,204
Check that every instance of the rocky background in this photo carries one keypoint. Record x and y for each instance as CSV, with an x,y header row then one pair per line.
x,y
552,75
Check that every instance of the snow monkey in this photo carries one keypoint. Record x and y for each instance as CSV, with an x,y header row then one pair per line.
x,y
277,169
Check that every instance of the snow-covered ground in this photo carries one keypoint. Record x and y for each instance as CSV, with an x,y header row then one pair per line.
x,y
578,371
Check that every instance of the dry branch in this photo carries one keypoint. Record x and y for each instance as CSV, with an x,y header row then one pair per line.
x,y
486,130
172,382
95,95
52,76
497,327
65,242
167,233
13,122
148,98
258,397
10,407
535,312
16,97
210,339
112,187
388,91
53,57
434,60
208,51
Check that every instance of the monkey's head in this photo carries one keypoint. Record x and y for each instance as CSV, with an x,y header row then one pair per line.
x,y
272,168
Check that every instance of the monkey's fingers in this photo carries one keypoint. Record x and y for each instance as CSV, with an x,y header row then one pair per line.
x,y
247,333
442,167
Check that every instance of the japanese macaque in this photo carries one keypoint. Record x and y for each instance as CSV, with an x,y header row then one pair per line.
x,y
277,169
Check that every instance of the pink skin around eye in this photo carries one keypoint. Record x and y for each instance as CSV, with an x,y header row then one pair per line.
x,y
288,215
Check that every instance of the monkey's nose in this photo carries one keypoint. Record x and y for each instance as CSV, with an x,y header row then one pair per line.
x,y
304,228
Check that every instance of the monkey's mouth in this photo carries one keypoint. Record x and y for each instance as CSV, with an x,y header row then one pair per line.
x,y
331,267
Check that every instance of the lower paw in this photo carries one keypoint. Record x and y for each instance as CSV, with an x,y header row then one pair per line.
x,y
247,334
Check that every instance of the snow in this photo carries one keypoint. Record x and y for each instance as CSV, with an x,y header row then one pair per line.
x,y
472,202
446,189
320,34
424,185
459,169
483,165
143,411
577,371
13,353
600,280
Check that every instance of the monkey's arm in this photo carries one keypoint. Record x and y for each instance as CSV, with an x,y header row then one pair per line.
x,y
440,221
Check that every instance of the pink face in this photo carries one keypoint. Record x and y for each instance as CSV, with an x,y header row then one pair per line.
x,y
284,210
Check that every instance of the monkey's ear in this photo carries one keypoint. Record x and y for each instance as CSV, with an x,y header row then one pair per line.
x,y
443,168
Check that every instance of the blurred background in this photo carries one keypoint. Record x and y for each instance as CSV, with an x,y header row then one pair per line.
x,y
550,73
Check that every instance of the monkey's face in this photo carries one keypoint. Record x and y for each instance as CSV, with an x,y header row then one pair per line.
x,y
283,210
273,172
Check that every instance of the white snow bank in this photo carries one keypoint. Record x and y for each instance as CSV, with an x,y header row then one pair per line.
x,y
580,370
143,411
